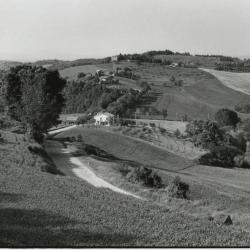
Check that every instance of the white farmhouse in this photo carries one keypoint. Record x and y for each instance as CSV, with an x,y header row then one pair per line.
x,y
104,118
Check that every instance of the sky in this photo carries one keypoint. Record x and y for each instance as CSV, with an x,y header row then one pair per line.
x,y
71,29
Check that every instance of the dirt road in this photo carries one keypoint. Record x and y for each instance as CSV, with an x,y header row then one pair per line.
x,y
73,166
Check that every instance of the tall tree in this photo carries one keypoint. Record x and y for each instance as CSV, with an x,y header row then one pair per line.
x,y
34,97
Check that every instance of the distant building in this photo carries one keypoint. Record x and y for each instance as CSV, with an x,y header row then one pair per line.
x,y
174,64
114,58
106,79
69,119
104,118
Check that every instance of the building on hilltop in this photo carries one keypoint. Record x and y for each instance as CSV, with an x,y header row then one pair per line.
x,y
104,119
114,58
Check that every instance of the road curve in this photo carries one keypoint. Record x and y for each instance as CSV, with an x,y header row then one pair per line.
x,y
73,166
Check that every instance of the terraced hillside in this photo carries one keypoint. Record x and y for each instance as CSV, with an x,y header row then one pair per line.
x,y
200,95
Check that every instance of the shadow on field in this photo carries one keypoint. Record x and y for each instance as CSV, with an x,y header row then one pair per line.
x,y
95,152
10,197
38,228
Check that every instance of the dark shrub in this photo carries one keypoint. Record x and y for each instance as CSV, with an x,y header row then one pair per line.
x,y
205,133
178,188
81,74
124,169
241,161
79,138
222,156
177,132
73,139
162,130
146,176
226,117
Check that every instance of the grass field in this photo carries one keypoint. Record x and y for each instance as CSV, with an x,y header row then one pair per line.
x,y
213,191
237,81
40,210
201,95
126,148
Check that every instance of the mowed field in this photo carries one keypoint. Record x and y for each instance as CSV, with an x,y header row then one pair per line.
x,y
200,96
122,147
129,149
237,81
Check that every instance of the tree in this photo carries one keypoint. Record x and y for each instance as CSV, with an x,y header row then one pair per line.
x,y
81,75
164,113
34,97
226,117
205,133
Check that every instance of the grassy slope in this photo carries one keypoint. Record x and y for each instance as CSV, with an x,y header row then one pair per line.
x,y
126,148
40,209
200,97
236,81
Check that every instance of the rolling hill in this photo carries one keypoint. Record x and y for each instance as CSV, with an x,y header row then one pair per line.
x,y
199,97
39,209
129,149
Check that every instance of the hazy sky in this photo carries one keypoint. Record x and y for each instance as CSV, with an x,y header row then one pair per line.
x,y
71,29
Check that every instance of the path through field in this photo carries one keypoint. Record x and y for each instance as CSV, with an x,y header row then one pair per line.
x,y
73,166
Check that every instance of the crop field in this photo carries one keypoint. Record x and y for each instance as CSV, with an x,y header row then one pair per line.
x,y
237,81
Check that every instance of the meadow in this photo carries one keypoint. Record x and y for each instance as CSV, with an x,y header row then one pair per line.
x,y
129,149
39,209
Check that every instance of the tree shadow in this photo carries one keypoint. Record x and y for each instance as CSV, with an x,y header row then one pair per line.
x,y
10,197
39,228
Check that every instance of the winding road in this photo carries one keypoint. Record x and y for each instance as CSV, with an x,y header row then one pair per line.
x,y
73,166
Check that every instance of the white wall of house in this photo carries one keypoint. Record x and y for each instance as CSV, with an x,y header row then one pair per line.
x,y
104,119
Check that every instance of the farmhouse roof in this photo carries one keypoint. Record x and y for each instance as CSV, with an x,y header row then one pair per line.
x,y
104,114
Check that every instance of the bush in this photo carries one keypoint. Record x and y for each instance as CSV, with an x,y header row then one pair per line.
x,y
178,188
79,138
177,133
146,176
205,133
81,74
226,117
241,162
221,156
